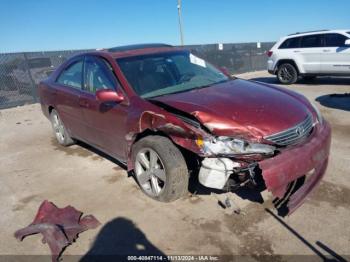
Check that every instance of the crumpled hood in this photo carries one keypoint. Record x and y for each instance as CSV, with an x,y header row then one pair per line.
x,y
240,108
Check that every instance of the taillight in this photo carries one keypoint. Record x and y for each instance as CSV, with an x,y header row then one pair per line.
x,y
269,53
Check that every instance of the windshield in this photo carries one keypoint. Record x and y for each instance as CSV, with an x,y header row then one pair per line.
x,y
168,73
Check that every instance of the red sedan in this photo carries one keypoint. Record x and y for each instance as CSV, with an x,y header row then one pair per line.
x,y
168,114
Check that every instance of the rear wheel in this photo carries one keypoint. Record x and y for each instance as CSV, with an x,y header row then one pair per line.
x,y
287,74
160,168
59,130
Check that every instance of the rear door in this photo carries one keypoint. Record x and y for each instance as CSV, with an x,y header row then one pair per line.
x,y
309,53
105,123
67,89
336,56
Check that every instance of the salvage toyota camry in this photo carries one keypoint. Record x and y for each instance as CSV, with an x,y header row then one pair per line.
x,y
168,115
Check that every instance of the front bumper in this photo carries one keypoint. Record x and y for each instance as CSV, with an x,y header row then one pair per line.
x,y
278,172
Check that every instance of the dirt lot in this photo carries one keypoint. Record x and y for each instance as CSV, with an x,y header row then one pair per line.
x,y
33,167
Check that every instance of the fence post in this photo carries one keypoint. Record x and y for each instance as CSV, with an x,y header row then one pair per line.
x,y
32,83
250,58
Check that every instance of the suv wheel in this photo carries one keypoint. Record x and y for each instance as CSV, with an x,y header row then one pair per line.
x,y
287,74
59,130
160,168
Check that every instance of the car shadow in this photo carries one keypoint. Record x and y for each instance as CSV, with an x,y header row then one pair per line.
x,y
317,81
331,255
117,239
246,192
336,101
84,150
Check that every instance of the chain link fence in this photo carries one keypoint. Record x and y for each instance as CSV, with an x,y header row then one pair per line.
x,y
20,73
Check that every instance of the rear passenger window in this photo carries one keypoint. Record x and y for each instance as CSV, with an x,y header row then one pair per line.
x,y
311,41
290,43
72,75
334,40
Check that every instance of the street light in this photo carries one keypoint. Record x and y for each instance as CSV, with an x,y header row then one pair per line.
x,y
180,21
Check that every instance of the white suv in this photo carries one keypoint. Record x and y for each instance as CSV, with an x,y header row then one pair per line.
x,y
310,54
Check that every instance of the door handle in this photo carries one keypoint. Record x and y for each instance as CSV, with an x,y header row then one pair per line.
x,y
326,50
297,51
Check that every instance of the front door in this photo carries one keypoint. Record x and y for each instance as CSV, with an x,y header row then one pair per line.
x,y
68,88
105,122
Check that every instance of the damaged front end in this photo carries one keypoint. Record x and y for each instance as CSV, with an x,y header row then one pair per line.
x,y
288,171
230,162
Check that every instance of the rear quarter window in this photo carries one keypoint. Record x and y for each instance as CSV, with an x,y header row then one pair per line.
x,y
290,43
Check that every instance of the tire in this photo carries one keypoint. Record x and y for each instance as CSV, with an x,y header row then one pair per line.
x,y
287,74
60,132
167,178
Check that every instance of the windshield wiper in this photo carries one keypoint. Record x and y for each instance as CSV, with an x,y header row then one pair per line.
x,y
211,84
190,89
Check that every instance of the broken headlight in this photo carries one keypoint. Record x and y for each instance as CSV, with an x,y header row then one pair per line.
x,y
233,146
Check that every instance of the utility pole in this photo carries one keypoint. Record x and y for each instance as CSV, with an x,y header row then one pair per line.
x,y
180,21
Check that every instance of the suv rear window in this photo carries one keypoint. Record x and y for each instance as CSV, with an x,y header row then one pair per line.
x,y
334,40
310,41
290,43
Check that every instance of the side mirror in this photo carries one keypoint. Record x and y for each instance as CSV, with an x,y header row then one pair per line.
x,y
109,95
347,42
225,71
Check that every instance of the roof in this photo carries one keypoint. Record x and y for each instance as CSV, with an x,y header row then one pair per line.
x,y
143,49
319,32
135,47
132,50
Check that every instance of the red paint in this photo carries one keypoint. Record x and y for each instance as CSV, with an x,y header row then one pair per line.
x,y
293,163
108,95
241,108
59,226
238,108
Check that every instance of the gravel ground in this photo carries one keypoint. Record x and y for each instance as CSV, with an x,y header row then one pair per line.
x,y
33,167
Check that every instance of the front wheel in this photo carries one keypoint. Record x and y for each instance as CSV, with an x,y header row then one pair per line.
x,y
160,168
287,74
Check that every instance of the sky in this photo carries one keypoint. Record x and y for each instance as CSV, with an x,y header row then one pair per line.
x,y
44,25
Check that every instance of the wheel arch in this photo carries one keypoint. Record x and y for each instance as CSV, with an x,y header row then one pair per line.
x,y
191,158
49,109
290,61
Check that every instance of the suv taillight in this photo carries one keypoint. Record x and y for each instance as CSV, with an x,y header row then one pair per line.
x,y
269,53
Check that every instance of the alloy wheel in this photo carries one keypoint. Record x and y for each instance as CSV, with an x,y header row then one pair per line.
x,y
287,73
58,128
150,171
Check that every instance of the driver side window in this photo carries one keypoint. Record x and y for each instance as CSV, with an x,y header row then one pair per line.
x,y
97,75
